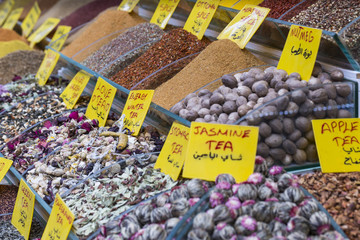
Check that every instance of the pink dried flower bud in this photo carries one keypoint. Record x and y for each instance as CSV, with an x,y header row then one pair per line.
x,y
255,178
233,203
216,198
272,185
74,115
193,201
220,225
275,170
86,126
272,200
259,160
223,185
248,202
249,223
235,188
48,124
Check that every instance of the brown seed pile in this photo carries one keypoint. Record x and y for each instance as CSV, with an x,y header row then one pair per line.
x,y
106,23
9,35
304,5
352,39
339,194
278,7
219,58
173,46
7,200
328,14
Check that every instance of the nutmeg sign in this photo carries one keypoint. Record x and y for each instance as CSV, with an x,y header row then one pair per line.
x,y
5,165
200,17
60,221
23,210
338,144
172,155
300,51
101,101
136,108
218,148
241,29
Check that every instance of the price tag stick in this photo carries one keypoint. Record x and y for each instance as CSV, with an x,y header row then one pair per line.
x,y
23,210
163,12
172,155
200,17
5,165
60,221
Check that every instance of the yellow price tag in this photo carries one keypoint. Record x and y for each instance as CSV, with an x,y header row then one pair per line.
x,y
163,12
60,221
23,209
5,165
136,108
214,149
30,20
5,10
13,18
338,144
300,51
128,5
59,38
73,91
172,155
200,17
47,66
43,30
101,101
241,29
227,3
241,4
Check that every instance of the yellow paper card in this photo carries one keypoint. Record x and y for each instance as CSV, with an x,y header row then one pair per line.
x,y
101,101
136,108
172,155
241,29
47,66
30,20
73,91
241,4
338,144
214,149
43,30
300,51
60,221
59,38
23,210
227,3
13,18
200,17
5,165
128,5
5,10
163,12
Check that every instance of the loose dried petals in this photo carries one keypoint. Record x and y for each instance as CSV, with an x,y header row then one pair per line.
x,y
86,126
74,115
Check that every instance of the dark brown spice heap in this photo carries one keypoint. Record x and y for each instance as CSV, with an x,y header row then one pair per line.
x,y
339,194
174,45
278,7
7,200
304,5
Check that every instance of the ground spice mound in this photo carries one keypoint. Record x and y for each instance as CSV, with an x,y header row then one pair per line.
x,y
131,39
174,45
106,23
9,35
278,7
22,63
7,200
91,9
219,58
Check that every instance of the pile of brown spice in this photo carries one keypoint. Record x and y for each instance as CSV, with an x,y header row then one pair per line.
x,y
106,23
9,35
219,58
173,46
339,194
7,200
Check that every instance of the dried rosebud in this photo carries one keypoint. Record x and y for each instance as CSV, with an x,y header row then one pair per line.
x,y
245,225
196,188
255,178
223,231
143,213
292,194
222,214
86,126
48,124
193,201
225,178
74,115
198,234
216,199
298,224
247,191
170,224
320,222
180,207
204,221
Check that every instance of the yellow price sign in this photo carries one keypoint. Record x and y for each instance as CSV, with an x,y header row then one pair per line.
x,y
59,38
60,221
30,20
136,108
47,66
338,144
227,3
163,12
300,51
214,149
241,4
23,209
172,155
241,29
13,18
128,5
5,165
43,30
73,91
101,101
5,10
200,17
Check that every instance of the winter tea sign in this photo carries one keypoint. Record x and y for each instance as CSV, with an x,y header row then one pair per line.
x,y
218,148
